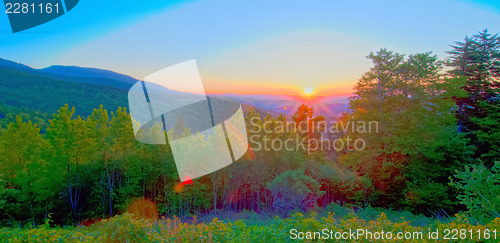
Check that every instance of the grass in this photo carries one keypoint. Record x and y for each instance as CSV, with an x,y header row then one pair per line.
x,y
252,227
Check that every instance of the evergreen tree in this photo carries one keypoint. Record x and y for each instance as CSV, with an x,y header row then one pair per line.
x,y
477,59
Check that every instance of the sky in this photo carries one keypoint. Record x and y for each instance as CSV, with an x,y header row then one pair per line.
x,y
248,47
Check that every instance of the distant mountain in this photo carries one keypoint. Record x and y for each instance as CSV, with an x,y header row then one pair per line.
x,y
252,97
86,88
12,64
327,106
83,75
82,72
50,88
25,88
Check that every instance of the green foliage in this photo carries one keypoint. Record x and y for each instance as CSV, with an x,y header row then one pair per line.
x,y
294,190
479,190
416,148
488,133
22,88
23,172
129,228
8,115
477,60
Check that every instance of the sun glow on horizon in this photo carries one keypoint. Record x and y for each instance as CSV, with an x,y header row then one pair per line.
x,y
308,91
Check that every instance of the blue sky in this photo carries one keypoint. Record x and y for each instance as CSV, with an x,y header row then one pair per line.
x,y
248,46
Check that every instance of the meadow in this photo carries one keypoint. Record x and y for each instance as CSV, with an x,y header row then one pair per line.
x,y
396,227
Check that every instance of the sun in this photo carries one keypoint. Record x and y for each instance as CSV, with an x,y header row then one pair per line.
x,y
308,90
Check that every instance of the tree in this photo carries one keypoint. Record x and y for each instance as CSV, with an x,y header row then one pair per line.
x,y
416,143
99,123
488,133
479,189
477,59
308,125
22,168
71,150
294,190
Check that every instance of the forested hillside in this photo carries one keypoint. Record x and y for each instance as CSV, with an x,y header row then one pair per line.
x,y
435,150
30,89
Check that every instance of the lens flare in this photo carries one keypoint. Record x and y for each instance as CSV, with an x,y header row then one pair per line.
x,y
308,90
143,208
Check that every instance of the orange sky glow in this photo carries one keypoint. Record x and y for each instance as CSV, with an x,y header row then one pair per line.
x,y
278,88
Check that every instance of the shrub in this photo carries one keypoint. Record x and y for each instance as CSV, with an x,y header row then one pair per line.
x,y
480,191
294,190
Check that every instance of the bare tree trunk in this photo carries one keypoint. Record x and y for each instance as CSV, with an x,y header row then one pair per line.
x,y
258,199
74,196
110,184
214,191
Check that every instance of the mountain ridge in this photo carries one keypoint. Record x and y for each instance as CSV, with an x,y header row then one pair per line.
x,y
88,72
99,84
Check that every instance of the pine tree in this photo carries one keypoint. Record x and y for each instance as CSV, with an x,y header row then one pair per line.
x,y
477,59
